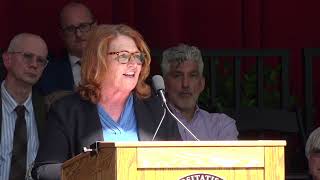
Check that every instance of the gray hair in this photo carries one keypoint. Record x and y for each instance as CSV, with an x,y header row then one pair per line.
x,y
179,54
16,40
313,142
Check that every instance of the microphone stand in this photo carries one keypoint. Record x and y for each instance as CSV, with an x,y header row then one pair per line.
x,y
175,117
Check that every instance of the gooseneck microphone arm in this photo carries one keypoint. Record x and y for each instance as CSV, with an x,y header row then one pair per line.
x,y
159,87
162,118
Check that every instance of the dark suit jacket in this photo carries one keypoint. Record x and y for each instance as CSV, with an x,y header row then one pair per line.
x,y
3,70
38,108
56,76
74,123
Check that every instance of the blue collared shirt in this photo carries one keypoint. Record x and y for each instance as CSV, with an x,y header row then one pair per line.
x,y
125,129
7,132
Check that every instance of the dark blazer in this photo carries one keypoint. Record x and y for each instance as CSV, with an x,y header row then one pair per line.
x,y
38,108
56,76
73,123
3,71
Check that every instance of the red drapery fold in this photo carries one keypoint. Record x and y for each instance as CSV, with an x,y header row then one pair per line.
x,y
207,24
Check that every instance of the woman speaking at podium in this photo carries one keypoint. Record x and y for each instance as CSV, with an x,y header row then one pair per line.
x,y
112,102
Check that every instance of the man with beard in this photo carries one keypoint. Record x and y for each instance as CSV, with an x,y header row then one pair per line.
x,y
76,21
22,110
182,68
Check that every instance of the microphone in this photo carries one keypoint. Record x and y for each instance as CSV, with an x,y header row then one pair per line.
x,y
159,87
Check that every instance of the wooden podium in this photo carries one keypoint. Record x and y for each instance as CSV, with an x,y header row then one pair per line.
x,y
175,160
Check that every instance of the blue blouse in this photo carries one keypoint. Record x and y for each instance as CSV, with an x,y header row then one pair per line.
x,y
123,130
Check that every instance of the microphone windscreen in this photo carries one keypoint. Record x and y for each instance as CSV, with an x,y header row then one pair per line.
x,y
158,82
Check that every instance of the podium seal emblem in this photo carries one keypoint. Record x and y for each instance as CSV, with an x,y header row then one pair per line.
x,y
201,176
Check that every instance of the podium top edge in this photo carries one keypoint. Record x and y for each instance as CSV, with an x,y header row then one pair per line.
x,y
236,143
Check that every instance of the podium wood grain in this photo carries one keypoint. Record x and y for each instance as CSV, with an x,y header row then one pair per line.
x,y
173,160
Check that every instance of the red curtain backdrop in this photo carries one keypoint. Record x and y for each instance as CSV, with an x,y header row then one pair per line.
x,y
205,23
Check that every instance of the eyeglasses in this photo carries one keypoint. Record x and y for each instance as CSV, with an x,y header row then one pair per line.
x,y
28,58
124,57
83,27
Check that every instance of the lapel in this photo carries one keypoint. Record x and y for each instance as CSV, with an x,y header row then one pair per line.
x,y
91,125
68,73
39,110
144,123
0,115
148,114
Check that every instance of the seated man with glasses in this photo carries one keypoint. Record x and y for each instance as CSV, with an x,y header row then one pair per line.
x,y
76,21
22,110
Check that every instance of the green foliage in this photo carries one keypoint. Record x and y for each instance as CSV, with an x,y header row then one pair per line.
x,y
225,94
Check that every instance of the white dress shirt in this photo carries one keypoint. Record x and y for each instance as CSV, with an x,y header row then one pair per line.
x,y
7,132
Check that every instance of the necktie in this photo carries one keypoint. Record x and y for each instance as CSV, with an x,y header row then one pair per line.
x,y
19,150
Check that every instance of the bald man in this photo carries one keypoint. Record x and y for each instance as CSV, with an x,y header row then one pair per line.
x,y
76,22
24,62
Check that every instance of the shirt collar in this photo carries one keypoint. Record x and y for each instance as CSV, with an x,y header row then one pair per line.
x,y
178,112
11,103
126,119
73,59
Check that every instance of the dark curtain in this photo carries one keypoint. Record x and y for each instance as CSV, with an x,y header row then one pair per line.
x,y
205,23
